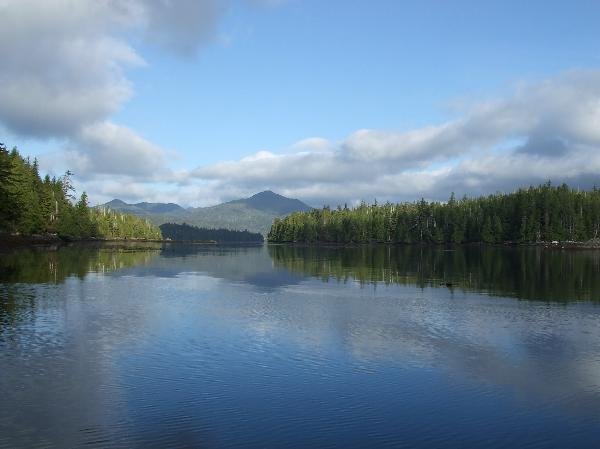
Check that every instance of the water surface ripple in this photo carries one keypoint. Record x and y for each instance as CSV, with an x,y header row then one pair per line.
x,y
299,347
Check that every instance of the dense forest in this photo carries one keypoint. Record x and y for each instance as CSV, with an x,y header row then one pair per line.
x,y
31,205
192,233
534,214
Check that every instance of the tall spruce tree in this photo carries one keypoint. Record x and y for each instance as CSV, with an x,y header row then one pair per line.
x,y
30,205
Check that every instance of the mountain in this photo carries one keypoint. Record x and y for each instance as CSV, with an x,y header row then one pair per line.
x,y
268,201
144,208
160,208
254,214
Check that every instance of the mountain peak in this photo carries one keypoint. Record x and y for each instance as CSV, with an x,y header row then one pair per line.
x,y
116,202
267,194
270,201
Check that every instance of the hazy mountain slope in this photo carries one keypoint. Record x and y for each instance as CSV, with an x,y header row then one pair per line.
x,y
145,208
161,208
254,214
272,202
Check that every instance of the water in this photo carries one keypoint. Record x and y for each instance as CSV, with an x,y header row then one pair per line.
x,y
278,346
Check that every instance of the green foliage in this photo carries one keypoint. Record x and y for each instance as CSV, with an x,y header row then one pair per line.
x,y
191,233
534,214
31,205
116,225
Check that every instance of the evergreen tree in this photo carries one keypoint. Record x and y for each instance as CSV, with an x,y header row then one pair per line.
x,y
30,205
534,214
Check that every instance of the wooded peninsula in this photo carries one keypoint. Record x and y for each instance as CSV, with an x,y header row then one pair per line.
x,y
31,205
185,232
544,213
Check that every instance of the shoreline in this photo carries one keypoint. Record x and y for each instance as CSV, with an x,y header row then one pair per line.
x,y
52,240
11,242
41,240
593,244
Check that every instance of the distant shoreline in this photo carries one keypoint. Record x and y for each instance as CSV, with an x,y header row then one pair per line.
x,y
593,244
36,240
17,241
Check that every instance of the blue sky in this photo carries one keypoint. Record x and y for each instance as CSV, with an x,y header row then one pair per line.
x,y
314,68
217,103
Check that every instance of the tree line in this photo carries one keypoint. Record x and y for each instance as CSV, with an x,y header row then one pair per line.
x,y
30,204
190,233
533,214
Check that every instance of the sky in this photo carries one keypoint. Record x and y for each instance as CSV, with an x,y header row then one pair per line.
x,y
203,101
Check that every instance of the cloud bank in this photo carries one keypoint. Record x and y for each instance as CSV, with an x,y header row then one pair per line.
x,y
549,130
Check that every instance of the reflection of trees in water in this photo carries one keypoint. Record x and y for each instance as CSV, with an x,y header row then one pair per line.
x,y
524,273
170,250
16,301
41,265
21,270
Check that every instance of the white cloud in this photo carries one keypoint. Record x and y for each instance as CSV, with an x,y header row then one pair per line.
x,y
63,64
556,119
541,131
107,148
312,145
60,68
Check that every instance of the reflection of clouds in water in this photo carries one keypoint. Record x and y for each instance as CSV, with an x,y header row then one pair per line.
x,y
250,264
196,282
42,375
59,360
589,371
543,352
135,348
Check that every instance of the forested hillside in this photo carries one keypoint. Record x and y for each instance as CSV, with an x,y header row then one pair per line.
x,y
186,232
32,205
254,214
534,214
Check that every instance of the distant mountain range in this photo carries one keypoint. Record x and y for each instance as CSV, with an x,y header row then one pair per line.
x,y
254,214
144,208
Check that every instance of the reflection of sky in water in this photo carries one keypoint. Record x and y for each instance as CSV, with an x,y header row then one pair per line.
x,y
250,264
228,350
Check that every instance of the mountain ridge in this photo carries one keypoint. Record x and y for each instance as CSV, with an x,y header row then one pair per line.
x,y
255,213
143,207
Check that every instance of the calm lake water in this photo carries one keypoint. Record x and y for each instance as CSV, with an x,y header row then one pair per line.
x,y
278,346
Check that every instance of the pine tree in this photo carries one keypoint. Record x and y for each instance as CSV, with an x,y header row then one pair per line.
x,y
528,215
30,205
